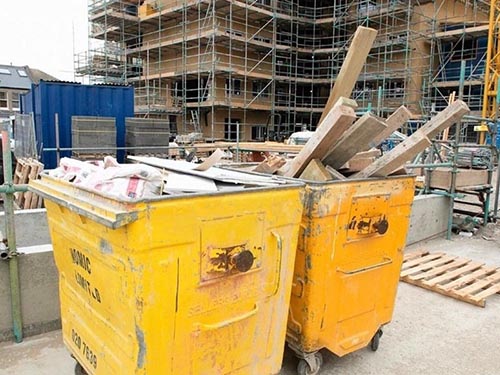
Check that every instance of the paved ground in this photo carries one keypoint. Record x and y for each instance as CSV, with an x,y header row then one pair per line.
x,y
430,334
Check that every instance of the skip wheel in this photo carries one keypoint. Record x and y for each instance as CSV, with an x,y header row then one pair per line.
x,y
79,370
304,368
376,340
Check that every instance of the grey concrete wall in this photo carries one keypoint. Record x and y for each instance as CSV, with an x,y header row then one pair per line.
x,y
429,217
31,227
38,276
39,292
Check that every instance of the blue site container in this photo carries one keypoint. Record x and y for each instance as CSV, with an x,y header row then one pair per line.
x,y
69,99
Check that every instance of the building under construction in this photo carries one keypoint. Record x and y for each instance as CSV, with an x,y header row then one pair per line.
x,y
264,68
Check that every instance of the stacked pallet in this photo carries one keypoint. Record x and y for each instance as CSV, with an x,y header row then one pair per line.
x,y
26,171
93,137
343,146
150,133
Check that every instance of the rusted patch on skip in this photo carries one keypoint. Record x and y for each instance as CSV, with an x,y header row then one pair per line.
x,y
141,355
308,262
105,247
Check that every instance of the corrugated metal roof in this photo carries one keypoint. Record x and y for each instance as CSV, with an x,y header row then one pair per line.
x,y
12,77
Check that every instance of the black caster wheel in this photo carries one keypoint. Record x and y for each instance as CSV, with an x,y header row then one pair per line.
x,y
304,367
376,340
79,370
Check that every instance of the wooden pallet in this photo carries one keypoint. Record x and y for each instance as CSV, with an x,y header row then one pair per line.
x,y
27,170
452,276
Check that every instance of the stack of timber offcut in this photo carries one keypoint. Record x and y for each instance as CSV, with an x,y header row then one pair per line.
x,y
344,146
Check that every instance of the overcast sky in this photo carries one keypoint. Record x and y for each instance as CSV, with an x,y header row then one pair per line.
x,y
40,34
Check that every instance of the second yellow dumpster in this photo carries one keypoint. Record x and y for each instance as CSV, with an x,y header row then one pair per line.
x,y
347,267
195,284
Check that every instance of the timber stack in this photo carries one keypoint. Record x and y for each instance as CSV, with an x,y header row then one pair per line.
x,y
344,146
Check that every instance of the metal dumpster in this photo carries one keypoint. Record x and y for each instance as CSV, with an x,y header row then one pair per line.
x,y
347,266
193,284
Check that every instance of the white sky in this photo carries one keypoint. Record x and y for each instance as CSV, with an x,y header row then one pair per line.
x,y
39,33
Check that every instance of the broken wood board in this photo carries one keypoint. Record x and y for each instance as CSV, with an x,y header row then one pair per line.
x,y
356,139
335,124
354,61
213,159
393,122
316,171
452,276
440,178
214,173
271,164
396,158
444,119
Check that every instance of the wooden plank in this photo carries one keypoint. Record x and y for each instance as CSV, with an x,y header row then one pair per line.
x,y
271,164
467,299
35,198
354,61
335,124
425,258
316,171
336,175
396,158
478,284
436,271
487,292
22,178
427,265
466,279
444,119
468,267
414,255
17,171
33,173
356,139
373,153
40,202
402,171
393,123
440,178
356,165
213,159
416,143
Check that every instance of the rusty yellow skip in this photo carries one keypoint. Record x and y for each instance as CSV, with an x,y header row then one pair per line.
x,y
347,266
201,284
175,285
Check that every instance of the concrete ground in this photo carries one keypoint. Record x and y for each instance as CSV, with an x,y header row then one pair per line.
x,y
430,334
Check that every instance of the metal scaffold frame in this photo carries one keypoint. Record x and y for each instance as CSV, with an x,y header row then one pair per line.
x,y
262,69
458,39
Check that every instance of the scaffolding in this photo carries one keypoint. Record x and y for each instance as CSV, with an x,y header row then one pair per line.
x,y
458,39
113,24
262,69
